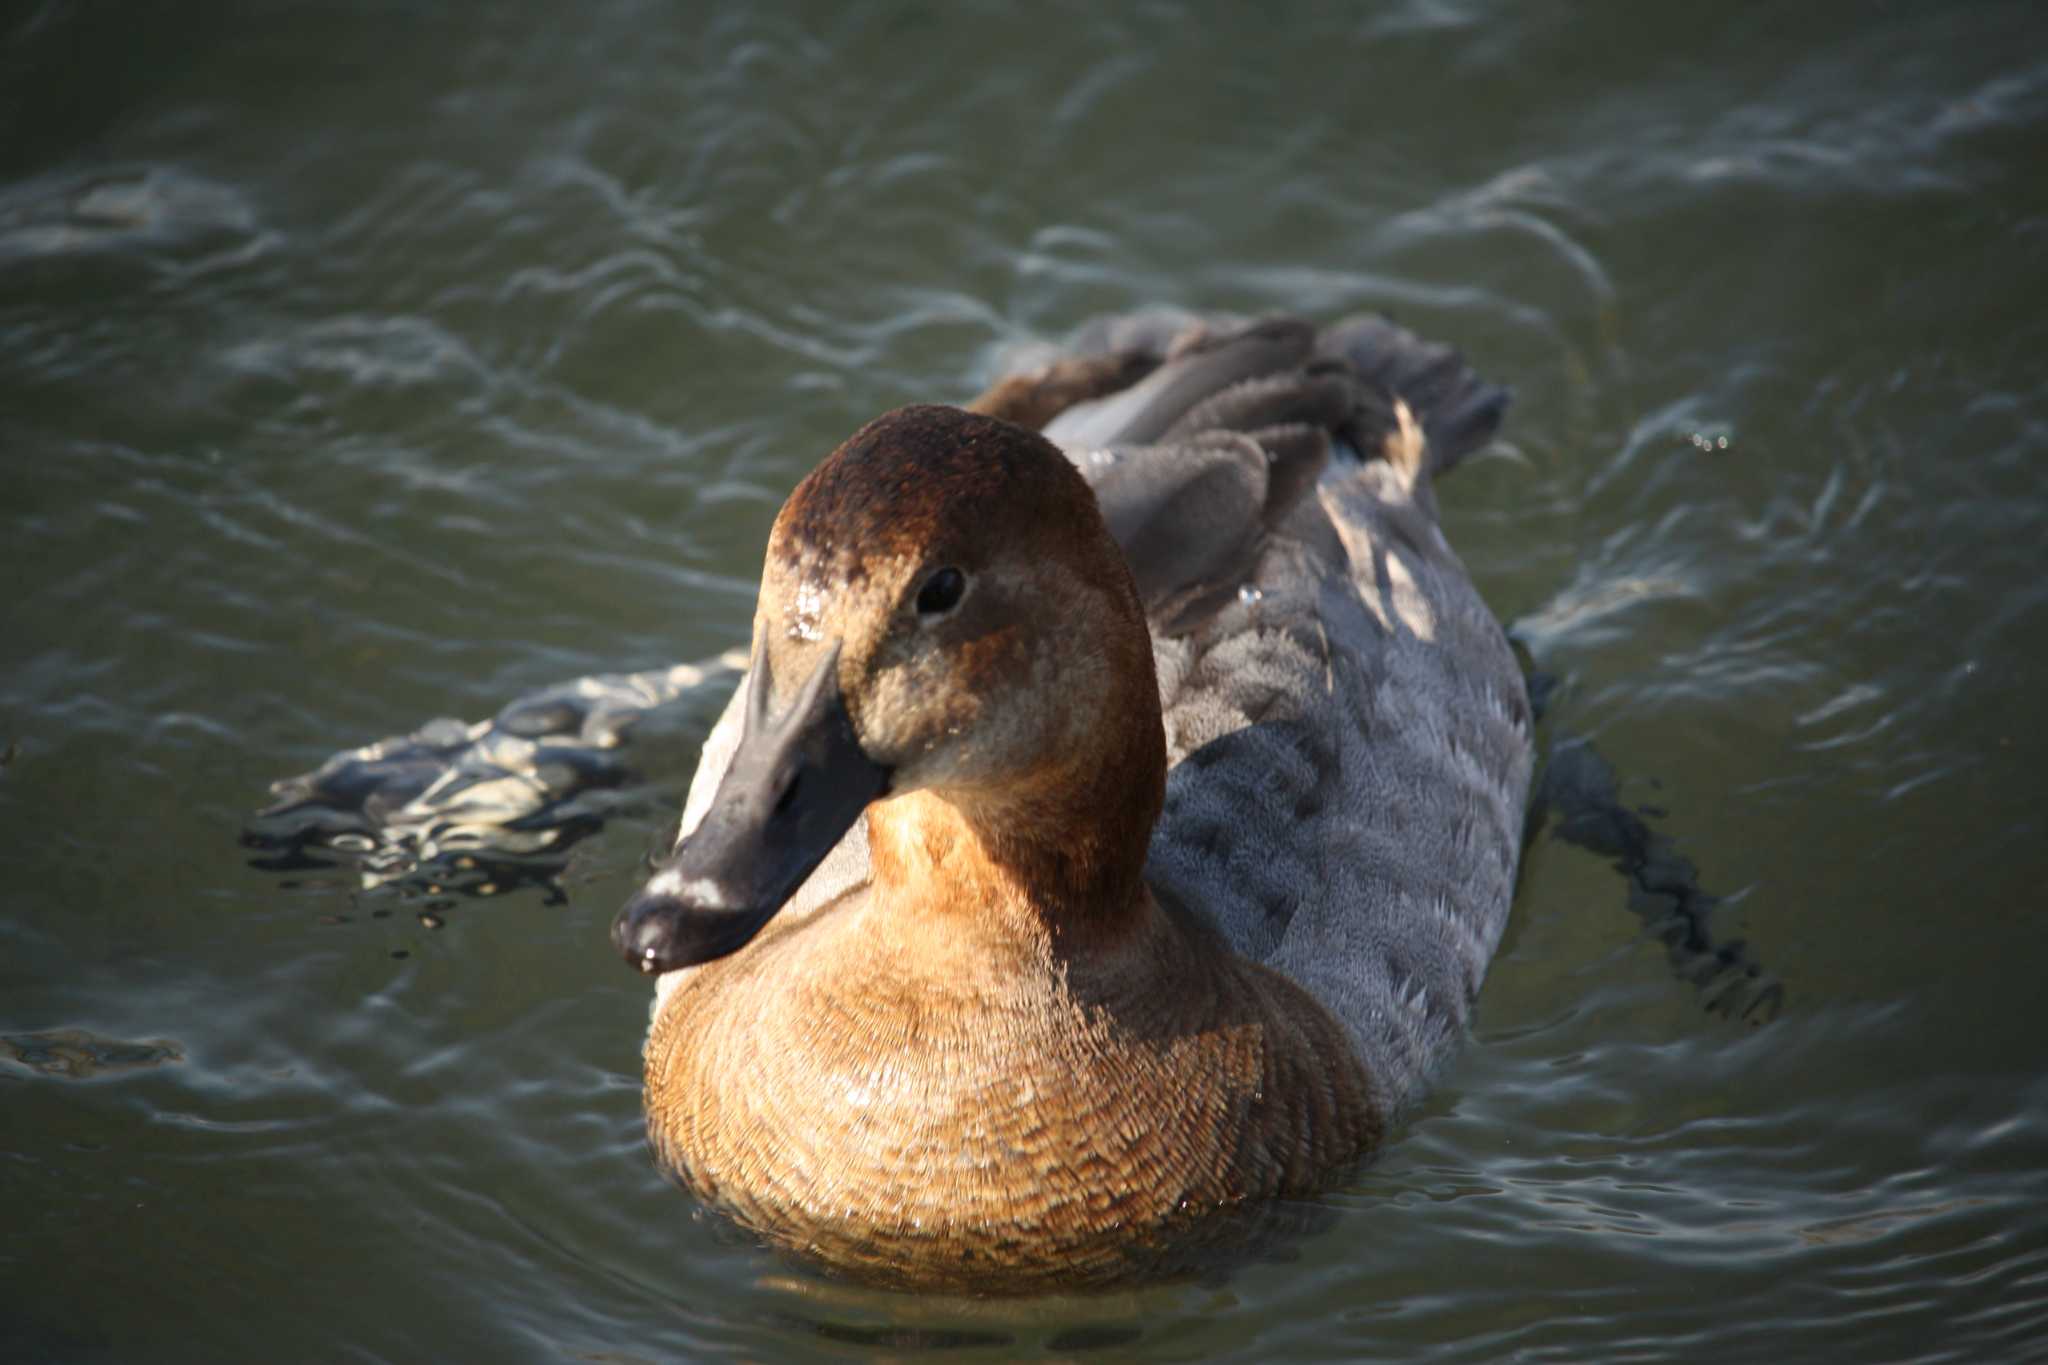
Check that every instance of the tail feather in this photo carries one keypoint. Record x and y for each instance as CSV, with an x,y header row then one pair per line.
x,y
1459,411
1232,372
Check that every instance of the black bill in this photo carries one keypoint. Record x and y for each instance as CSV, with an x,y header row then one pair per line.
x,y
796,784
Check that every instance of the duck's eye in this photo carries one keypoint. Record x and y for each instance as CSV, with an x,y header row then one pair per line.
x,y
941,592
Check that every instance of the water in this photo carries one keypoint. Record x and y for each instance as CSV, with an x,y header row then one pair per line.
x,y
362,366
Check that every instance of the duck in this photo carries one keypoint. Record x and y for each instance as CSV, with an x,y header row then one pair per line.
x,y
1114,824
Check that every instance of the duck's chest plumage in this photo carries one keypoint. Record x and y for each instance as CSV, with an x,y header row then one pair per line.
x,y
1026,1122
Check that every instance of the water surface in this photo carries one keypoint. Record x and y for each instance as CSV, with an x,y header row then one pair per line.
x,y
363,365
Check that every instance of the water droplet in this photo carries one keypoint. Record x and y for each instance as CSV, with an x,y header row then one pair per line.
x,y
804,611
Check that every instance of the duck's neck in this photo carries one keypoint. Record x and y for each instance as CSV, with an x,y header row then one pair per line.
x,y
1056,859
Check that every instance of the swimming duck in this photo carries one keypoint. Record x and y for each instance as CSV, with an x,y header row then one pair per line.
x,y
1116,821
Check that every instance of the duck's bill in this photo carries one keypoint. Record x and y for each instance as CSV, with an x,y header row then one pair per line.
x,y
796,784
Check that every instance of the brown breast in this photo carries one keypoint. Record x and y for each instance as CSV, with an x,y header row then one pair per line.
x,y
869,1089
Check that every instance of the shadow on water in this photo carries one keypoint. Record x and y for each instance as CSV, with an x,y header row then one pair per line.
x,y
1577,794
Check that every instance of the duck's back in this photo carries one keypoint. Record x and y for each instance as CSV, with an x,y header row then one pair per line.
x,y
1348,729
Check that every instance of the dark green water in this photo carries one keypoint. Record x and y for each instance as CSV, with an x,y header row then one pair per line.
x,y
365,364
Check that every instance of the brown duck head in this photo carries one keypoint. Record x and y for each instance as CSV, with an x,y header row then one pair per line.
x,y
946,626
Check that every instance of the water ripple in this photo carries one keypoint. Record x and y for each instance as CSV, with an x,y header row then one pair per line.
x,y
119,211
351,375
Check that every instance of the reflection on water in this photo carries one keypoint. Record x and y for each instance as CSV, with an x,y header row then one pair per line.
x,y
74,1054
486,803
359,369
